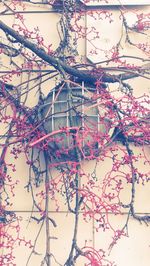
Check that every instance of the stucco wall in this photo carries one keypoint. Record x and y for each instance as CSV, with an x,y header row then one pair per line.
x,y
132,250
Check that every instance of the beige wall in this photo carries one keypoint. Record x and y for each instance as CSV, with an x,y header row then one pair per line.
x,y
132,250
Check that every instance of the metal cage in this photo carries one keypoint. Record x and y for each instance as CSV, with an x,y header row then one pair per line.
x,y
76,107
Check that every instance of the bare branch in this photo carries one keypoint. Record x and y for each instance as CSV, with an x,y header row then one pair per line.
x,y
56,63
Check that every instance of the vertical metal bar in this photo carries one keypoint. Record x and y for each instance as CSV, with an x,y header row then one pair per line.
x,y
98,119
67,117
53,114
82,109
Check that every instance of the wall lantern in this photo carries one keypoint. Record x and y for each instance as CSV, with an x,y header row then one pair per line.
x,y
77,120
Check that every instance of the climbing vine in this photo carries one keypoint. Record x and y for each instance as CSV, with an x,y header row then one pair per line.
x,y
81,114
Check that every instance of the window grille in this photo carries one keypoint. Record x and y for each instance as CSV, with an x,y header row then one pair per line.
x,y
74,109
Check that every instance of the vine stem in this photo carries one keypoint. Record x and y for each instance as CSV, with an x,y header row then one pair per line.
x,y
47,256
71,259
